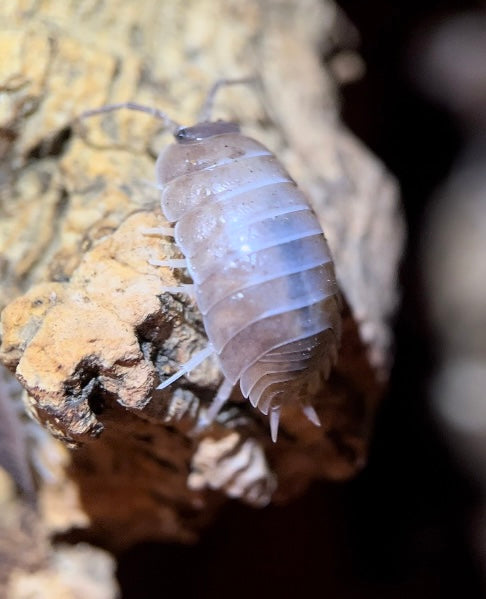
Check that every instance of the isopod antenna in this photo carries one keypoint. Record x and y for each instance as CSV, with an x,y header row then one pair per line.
x,y
207,108
170,124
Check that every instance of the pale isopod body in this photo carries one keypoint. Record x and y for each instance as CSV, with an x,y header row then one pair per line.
x,y
262,270
263,273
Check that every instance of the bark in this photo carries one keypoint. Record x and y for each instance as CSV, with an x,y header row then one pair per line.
x,y
85,328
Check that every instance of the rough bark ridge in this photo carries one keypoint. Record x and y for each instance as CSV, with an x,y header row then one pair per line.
x,y
85,328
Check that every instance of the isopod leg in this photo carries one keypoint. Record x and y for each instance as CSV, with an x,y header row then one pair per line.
x,y
151,184
187,288
188,366
219,400
162,231
170,262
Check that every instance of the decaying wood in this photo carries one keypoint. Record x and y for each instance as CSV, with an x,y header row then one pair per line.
x,y
85,328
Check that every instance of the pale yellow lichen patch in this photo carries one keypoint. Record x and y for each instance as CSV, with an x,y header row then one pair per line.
x,y
24,60
86,166
78,76
27,227
115,274
57,330
21,319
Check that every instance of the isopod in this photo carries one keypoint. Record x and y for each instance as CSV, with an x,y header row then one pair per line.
x,y
263,275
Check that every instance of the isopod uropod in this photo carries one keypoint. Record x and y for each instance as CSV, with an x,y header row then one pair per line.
x,y
262,272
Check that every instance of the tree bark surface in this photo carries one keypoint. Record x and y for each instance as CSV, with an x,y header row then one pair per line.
x,y
85,327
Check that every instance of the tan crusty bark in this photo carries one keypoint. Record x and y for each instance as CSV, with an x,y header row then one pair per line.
x,y
31,563
85,327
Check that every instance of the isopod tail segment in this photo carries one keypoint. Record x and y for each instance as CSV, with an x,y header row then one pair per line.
x,y
274,421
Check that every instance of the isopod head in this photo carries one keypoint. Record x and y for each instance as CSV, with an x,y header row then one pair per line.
x,y
200,131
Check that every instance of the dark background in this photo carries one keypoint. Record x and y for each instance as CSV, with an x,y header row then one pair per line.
x,y
404,527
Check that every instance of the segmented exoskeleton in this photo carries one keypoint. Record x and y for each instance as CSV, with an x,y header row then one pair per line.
x,y
262,271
